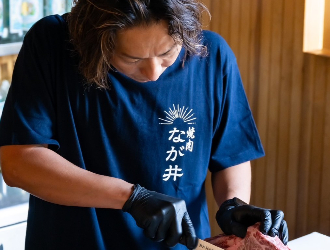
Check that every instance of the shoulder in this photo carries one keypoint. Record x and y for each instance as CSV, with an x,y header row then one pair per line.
x,y
47,26
218,48
48,30
47,35
51,21
211,38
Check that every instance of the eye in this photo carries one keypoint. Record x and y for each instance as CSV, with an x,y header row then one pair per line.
x,y
167,54
133,62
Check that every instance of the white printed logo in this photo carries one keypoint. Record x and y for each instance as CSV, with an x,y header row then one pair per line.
x,y
178,113
182,139
172,172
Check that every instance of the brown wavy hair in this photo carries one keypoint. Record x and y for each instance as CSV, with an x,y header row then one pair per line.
x,y
93,25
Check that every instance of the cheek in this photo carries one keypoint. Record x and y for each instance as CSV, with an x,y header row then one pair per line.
x,y
167,62
124,67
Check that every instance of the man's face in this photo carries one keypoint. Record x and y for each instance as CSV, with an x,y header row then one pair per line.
x,y
144,52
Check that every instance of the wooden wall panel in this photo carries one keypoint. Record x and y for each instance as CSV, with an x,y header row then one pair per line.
x,y
315,163
284,102
253,52
304,154
273,102
289,94
295,118
244,34
324,219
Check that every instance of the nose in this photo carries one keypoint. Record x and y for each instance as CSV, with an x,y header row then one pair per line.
x,y
152,69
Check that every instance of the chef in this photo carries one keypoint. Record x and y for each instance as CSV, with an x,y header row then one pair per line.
x,y
116,113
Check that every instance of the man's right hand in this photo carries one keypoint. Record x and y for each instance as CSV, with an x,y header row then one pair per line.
x,y
163,218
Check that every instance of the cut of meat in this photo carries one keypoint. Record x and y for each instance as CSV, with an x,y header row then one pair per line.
x,y
254,240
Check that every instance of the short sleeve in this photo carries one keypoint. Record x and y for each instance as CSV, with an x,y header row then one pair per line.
x,y
236,139
29,113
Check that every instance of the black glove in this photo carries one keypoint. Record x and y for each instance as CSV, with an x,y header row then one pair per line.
x,y
235,216
162,217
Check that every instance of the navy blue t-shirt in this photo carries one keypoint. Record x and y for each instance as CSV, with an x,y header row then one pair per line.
x,y
164,135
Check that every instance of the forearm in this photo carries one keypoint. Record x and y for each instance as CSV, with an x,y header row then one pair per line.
x,y
235,216
232,182
47,175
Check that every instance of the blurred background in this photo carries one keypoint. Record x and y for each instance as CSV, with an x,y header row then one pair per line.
x,y
16,18
283,51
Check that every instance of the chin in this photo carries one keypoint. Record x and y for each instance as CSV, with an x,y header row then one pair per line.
x,y
139,80
142,81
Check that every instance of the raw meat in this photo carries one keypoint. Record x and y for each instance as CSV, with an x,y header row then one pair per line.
x,y
254,240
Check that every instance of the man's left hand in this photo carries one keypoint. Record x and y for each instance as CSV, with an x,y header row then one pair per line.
x,y
235,216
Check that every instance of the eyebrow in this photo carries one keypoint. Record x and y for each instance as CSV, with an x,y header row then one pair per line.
x,y
134,57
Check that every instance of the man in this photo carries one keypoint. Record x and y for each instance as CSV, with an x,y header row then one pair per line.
x,y
115,114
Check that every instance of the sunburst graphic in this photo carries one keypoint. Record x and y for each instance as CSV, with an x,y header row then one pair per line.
x,y
178,113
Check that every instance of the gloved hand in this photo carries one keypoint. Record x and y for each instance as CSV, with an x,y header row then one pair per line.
x,y
235,216
163,218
